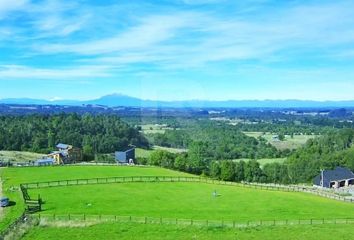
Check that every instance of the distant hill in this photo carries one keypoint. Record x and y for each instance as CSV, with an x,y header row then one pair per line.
x,y
115,100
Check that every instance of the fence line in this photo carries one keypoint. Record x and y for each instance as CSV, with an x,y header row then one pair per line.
x,y
188,222
127,179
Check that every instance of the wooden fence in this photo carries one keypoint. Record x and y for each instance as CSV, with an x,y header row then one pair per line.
x,y
188,222
32,205
130,179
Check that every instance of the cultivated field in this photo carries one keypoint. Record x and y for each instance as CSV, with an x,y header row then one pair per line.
x,y
167,200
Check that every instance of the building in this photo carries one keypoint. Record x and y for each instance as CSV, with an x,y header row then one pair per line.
x,y
339,177
45,162
127,156
65,154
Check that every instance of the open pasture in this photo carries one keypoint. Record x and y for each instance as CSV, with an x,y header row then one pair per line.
x,y
189,200
289,142
13,177
167,200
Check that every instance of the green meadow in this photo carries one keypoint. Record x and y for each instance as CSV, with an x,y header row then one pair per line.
x,y
13,177
182,200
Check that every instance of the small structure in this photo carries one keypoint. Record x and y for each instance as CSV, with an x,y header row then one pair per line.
x,y
339,177
4,202
125,157
45,162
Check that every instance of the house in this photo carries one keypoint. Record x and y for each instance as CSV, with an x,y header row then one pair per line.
x,y
127,156
339,177
65,154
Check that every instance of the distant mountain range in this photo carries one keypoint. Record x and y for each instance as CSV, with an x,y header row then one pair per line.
x,y
117,100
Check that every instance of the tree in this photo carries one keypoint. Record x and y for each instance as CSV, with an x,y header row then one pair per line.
x,y
227,171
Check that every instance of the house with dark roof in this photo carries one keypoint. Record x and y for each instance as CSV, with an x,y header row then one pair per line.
x,y
339,177
127,156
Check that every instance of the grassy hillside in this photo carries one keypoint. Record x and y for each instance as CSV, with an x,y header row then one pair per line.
x,y
18,156
168,232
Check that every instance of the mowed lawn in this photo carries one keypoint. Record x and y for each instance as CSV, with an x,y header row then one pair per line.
x,y
189,201
169,232
13,177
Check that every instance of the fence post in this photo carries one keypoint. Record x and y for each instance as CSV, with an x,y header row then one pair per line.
x,y
311,221
145,220
191,222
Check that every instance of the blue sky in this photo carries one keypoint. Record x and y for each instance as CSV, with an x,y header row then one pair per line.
x,y
177,49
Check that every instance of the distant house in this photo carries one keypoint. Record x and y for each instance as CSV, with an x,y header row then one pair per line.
x,y
64,155
339,177
127,156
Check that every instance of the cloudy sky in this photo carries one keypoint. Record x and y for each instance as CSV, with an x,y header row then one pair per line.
x,y
177,49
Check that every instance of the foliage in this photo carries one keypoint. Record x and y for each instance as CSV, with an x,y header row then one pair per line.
x,y
40,133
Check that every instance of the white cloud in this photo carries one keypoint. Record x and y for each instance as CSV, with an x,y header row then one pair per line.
x,y
7,6
153,30
31,73
193,39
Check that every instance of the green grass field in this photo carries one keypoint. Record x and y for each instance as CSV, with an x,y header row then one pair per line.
x,y
167,232
17,156
145,153
154,128
168,200
12,177
289,143
189,200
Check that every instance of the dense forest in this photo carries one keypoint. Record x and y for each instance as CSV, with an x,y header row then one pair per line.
x,y
94,134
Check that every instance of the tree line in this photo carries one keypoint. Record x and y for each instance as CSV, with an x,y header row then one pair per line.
x,y
325,152
94,134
